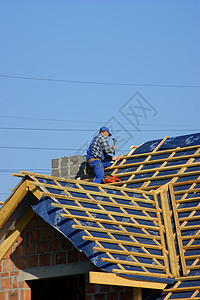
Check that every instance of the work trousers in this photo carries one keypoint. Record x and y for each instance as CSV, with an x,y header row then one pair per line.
x,y
98,167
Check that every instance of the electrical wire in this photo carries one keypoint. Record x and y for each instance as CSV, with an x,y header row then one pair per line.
x,y
90,130
98,83
93,122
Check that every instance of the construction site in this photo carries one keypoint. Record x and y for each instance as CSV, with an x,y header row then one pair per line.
x,y
65,237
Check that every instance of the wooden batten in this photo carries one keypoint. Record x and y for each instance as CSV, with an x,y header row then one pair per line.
x,y
114,279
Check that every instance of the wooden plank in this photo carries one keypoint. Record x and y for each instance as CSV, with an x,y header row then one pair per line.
x,y
178,231
80,191
132,263
157,275
113,222
104,203
180,290
160,169
103,212
187,191
137,294
156,161
163,177
125,252
169,234
146,159
122,242
10,205
113,279
164,252
178,201
15,233
161,152
119,232
61,179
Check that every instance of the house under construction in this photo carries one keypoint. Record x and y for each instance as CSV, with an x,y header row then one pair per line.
x,y
62,238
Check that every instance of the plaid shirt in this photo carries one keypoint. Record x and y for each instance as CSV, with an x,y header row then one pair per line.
x,y
100,145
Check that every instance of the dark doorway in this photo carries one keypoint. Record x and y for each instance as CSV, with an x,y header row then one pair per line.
x,y
64,288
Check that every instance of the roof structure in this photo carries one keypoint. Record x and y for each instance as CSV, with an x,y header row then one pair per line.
x,y
143,231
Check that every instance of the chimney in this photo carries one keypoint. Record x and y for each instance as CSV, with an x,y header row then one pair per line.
x,y
69,167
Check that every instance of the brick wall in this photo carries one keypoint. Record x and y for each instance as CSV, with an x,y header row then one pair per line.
x,y
107,292
40,245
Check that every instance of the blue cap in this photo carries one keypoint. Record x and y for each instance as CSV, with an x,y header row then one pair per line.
x,y
105,128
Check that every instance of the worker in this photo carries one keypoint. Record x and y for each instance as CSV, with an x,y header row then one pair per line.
x,y
98,156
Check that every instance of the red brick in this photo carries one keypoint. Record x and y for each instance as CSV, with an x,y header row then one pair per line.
x,y
47,234
105,288
19,251
3,295
5,284
13,295
44,260
31,224
113,296
83,257
4,274
14,273
73,256
90,288
60,258
53,245
8,265
32,261
101,297
20,262
23,284
14,282
41,223
128,295
57,234
31,249
35,236
65,244
42,247
25,294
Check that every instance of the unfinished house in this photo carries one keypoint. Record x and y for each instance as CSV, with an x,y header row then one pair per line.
x,y
62,238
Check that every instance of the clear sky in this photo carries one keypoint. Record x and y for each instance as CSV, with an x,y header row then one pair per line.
x,y
69,67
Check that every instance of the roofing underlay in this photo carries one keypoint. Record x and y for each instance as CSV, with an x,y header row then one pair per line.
x,y
145,228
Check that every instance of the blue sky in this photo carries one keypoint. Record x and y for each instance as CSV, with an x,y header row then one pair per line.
x,y
69,67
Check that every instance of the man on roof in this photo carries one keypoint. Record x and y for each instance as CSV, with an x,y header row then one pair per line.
x,y
98,156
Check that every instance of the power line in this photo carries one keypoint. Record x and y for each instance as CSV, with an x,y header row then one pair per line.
x,y
48,148
93,122
97,82
90,130
31,170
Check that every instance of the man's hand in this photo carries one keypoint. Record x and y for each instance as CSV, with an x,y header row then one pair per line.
x,y
114,147
115,158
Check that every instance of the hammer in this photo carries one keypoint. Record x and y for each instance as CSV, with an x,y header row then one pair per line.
x,y
114,141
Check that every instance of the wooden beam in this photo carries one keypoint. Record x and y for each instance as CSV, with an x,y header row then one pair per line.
x,y
10,205
92,184
123,242
160,169
118,223
169,234
80,191
137,294
113,279
104,212
178,231
119,232
15,233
